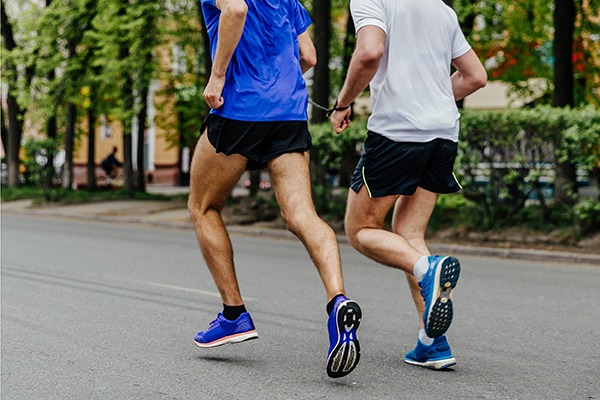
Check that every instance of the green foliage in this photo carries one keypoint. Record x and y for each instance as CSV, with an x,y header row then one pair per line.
x,y
22,192
124,37
514,39
587,216
185,82
505,164
507,158
334,151
64,196
37,153
455,210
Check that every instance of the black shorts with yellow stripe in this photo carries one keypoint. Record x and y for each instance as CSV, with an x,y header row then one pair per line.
x,y
398,168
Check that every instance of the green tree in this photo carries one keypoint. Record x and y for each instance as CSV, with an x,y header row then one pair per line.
x,y
125,34
16,113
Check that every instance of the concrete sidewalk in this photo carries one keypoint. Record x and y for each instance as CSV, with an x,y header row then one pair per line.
x,y
175,214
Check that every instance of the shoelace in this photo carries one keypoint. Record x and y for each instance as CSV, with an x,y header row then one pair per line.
x,y
213,322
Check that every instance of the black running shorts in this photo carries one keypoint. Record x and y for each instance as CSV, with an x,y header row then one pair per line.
x,y
398,168
259,142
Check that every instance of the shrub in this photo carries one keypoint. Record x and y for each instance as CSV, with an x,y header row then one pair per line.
x,y
37,154
506,165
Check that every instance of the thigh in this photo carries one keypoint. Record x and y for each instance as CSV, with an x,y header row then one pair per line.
x,y
439,177
390,168
362,211
213,175
290,177
412,213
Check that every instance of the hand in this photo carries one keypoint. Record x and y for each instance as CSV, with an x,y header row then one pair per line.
x,y
340,120
213,92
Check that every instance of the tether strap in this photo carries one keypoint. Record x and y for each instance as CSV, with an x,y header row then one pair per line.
x,y
329,111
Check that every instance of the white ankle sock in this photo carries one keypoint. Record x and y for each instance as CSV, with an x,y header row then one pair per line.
x,y
421,268
426,340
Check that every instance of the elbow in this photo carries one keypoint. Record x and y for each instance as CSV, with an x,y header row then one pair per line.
x,y
480,80
236,10
370,56
309,60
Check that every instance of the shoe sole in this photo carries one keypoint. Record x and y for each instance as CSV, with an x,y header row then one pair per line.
x,y
440,313
345,355
434,364
237,338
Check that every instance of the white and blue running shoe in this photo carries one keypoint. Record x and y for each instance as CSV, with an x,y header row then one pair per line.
x,y
222,331
436,289
436,356
344,350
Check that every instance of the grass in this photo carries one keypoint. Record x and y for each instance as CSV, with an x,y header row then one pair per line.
x,y
64,196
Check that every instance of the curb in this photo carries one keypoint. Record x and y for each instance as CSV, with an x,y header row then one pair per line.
x,y
509,253
512,253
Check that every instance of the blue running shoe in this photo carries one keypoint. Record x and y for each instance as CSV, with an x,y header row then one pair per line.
x,y
436,289
344,350
436,356
222,331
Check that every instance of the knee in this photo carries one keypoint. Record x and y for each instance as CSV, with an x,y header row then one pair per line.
x,y
198,209
352,229
299,222
194,209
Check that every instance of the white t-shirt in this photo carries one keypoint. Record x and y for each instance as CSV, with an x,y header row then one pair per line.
x,y
411,93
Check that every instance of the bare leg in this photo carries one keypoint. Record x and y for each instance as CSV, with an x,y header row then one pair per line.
x,y
291,182
213,177
411,216
364,221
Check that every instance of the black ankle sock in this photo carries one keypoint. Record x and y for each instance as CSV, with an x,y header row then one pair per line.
x,y
233,312
332,303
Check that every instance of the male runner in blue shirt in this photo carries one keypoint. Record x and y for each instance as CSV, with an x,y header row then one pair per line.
x,y
260,49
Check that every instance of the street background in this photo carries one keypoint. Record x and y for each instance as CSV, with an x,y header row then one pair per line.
x,y
108,310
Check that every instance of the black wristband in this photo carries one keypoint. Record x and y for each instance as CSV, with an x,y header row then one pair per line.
x,y
336,108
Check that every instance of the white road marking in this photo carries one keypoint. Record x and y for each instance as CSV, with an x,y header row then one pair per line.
x,y
184,289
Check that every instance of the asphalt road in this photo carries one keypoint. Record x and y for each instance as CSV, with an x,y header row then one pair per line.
x,y
109,311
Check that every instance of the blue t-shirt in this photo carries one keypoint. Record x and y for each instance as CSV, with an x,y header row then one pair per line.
x,y
264,80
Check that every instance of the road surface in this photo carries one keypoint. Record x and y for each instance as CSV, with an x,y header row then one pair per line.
x,y
96,310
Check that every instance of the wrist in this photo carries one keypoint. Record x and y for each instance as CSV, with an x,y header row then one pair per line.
x,y
339,106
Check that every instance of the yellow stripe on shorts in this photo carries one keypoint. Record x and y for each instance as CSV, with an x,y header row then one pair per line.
x,y
365,181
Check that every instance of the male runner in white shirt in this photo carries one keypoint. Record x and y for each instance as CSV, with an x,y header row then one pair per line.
x,y
405,50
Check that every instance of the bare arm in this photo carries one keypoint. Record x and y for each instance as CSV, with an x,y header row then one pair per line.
x,y
231,26
308,54
469,76
370,45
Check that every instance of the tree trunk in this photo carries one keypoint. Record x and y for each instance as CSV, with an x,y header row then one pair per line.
x,y
565,185
141,181
349,43
3,130
15,132
127,152
91,163
128,105
52,133
564,29
67,178
322,21
15,113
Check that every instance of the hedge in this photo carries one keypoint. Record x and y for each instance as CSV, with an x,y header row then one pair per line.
x,y
507,159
